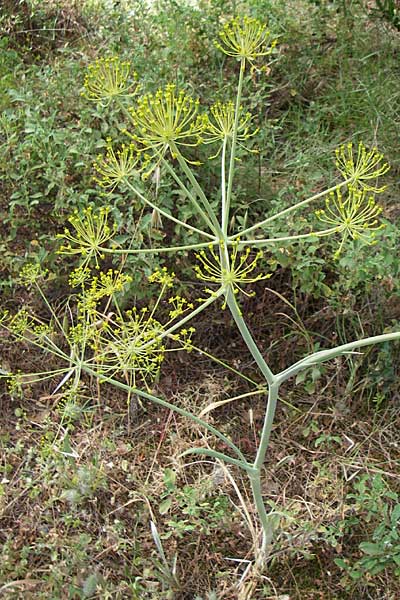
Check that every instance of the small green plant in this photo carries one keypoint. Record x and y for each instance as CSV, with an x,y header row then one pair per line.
x,y
125,347
378,511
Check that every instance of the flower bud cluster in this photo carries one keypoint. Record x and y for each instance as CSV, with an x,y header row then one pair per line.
x,y
221,124
31,273
245,38
108,78
117,165
363,167
167,119
91,232
239,270
354,215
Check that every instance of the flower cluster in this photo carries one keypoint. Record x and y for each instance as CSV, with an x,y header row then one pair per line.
x,y
240,269
178,306
166,120
133,344
116,165
92,231
31,273
108,284
184,337
362,167
109,77
355,215
245,38
221,124
163,277
21,323
25,326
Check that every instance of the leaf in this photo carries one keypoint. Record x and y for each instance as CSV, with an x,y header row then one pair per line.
x,y
169,479
90,585
341,563
395,517
371,548
165,506
396,559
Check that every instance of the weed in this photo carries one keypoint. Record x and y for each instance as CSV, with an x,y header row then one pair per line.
x,y
167,125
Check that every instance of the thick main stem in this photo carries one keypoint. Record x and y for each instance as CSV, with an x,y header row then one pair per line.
x,y
255,479
255,476
247,337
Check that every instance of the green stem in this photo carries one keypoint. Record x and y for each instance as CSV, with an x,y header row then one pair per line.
x,y
224,364
288,238
197,206
49,307
223,185
247,337
165,404
52,348
220,456
189,174
158,250
324,355
294,207
165,214
233,147
123,108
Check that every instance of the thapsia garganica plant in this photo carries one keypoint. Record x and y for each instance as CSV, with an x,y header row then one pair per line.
x,y
125,348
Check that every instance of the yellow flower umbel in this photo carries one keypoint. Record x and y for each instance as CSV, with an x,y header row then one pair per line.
x,y
240,271
91,233
132,344
166,120
108,284
108,78
245,38
355,216
31,273
221,124
116,165
363,168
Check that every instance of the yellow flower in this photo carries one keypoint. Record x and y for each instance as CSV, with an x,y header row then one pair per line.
x,y
363,168
31,272
167,119
133,344
92,231
355,216
108,284
245,38
117,165
108,78
220,125
241,267
163,277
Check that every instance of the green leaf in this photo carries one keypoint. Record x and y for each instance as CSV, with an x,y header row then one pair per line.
x,y
395,517
371,548
169,479
165,506
90,585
